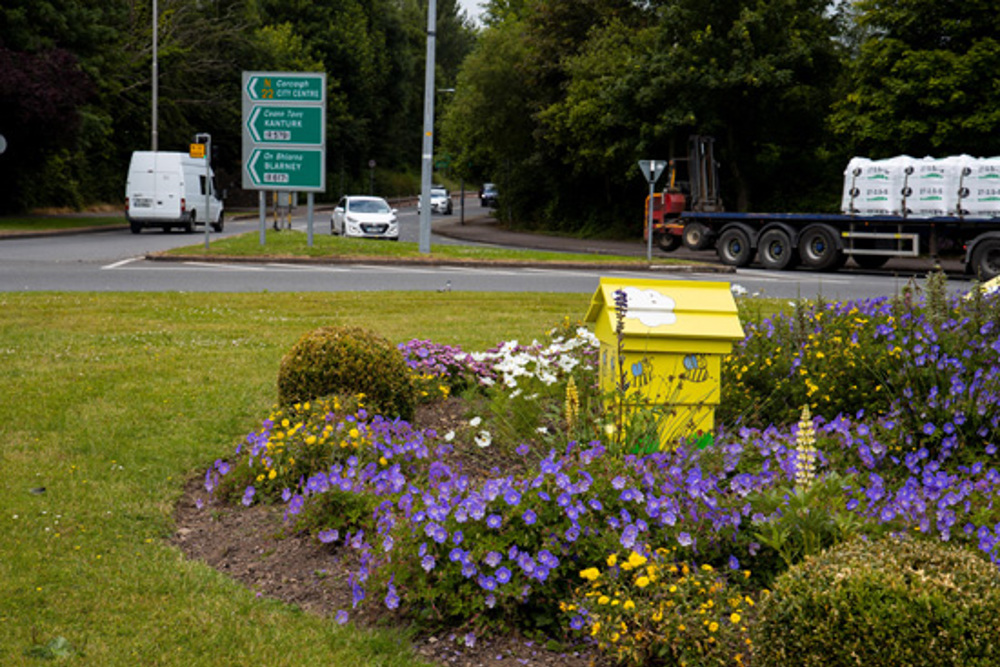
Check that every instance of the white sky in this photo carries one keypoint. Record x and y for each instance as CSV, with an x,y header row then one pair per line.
x,y
471,8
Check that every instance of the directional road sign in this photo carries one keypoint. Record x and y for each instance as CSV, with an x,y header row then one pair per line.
x,y
286,168
286,87
284,131
286,125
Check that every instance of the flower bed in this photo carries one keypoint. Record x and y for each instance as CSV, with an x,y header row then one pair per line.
x,y
527,519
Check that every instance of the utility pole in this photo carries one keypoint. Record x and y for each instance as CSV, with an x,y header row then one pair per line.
x,y
156,77
427,155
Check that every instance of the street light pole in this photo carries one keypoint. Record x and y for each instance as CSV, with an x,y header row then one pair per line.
x,y
427,154
156,77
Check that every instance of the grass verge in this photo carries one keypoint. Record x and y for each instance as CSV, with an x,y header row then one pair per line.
x,y
295,244
39,223
111,402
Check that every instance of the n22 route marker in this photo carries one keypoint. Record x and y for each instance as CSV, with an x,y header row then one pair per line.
x,y
286,87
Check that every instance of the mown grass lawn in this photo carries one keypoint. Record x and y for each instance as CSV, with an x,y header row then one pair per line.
x,y
295,244
111,402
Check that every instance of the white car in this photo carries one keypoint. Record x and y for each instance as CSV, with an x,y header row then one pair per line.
x,y
440,201
365,217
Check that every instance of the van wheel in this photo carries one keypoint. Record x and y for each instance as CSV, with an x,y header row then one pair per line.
x,y
136,227
217,226
189,225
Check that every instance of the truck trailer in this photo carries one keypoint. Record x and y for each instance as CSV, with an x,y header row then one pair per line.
x,y
900,207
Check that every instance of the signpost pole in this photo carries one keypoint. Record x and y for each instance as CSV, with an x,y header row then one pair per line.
x,y
207,140
263,215
649,222
310,204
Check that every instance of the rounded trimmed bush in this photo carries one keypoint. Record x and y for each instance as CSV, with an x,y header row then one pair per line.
x,y
347,360
886,602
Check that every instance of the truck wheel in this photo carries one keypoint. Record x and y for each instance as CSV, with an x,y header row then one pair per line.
x,y
870,262
775,250
986,259
217,226
696,236
668,242
818,249
734,247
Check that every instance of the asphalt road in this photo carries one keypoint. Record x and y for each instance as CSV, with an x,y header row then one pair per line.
x,y
116,261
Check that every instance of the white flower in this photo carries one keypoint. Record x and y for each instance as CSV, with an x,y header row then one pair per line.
x,y
483,439
449,436
542,429
515,393
475,421
737,289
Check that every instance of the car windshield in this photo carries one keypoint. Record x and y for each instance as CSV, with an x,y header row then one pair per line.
x,y
439,193
368,206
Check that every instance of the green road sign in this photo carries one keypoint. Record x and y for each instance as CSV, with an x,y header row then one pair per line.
x,y
285,87
300,125
287,168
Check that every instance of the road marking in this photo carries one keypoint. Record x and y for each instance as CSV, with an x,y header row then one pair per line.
x,y
217,266
121,263
308,267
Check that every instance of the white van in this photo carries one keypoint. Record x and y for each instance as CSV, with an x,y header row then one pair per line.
x,y
168,190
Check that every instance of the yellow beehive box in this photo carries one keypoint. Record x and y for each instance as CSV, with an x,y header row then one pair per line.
x,y
673,336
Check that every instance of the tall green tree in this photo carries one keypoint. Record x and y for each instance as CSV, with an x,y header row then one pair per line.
x,y
925,79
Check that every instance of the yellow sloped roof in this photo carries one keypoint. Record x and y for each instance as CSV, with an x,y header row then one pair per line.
x,y
668,308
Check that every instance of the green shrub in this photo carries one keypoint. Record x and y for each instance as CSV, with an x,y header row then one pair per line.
x,y
347,361
882,602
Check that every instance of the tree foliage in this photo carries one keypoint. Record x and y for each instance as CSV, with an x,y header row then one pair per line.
x,y
76,82
924,80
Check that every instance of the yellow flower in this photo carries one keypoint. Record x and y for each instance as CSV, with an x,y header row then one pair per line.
x,y
604,599
612,559
272,474
354,433
595,629
735,618
629,605
642,582
590,573
636,560
713,626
